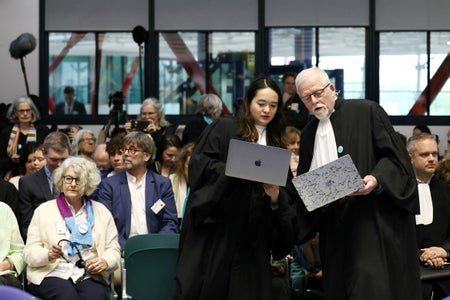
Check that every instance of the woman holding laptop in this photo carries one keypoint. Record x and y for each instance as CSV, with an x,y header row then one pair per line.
x,y
232,226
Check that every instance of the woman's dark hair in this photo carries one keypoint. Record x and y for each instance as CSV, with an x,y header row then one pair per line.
x,y
247,129
28,149
168,140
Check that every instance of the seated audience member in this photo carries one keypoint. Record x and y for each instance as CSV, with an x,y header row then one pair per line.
x,y
23,114
101,159
294,109
291,141
447,152
288,82
71,130
280,279
38,187
433,222
418,129
166,155
209,109
140,200
115,156
11,248
296,113
10,196
443,170
83,143
72,244
179,178
153,112
31,160
70,106
306,270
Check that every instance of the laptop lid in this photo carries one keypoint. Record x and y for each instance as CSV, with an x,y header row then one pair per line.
x,y
258,163
328,183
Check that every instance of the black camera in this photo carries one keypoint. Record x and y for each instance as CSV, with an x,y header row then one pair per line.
x,y
139,125
117,101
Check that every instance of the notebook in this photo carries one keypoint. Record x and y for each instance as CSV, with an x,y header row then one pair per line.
x,y
328,183
258,163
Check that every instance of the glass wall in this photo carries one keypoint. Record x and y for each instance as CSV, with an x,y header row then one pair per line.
x,y
440,72
404,73
194,63
96,65
190,64
340,51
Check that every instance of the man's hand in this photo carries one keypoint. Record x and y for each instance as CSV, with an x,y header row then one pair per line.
x,y
434,256
370,183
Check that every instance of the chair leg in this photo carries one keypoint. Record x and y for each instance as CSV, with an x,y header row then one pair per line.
x,y
124,284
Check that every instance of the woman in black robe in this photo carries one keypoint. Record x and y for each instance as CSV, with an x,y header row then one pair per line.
x,y
232,226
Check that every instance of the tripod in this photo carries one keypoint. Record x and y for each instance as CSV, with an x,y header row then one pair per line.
x,y
117,115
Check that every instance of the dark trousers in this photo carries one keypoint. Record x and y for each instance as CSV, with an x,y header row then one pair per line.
x,y
54,288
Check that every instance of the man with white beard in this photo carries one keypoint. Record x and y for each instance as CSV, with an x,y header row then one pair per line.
x,y
367,239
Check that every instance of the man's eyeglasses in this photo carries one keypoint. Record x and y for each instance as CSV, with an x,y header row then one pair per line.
x,y
24,111
87,140
70,179
130,150
317,94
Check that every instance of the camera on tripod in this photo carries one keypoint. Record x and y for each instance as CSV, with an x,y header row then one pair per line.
x,y
117,115
117,100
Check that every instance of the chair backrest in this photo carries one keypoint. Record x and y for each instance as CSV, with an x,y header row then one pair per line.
x,y
427,274
150,263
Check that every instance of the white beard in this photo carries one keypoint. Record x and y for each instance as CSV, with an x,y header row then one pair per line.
x,y
321,114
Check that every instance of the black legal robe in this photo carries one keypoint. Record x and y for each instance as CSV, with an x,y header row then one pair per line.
x,y
367,243
229,229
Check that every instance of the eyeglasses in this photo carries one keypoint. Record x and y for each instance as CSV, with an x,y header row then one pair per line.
x,y
317,94
70,179
24,111
87,140
150,113
131,150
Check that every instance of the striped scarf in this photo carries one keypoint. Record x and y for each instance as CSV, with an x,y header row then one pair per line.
x,y
14,138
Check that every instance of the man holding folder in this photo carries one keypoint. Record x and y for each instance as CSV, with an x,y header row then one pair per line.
x,y
367,239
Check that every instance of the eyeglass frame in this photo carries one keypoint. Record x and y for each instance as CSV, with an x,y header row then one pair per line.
x,y
23,111
93,139
317,94
68,177
131,150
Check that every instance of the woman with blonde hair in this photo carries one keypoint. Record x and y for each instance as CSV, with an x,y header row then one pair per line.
x,y
179,178
72,244
291,141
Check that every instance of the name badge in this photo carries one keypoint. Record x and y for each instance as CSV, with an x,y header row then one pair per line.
x,y
158,206
61,227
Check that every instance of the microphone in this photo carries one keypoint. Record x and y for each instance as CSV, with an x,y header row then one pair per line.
x,y
22,46
139,34
80,262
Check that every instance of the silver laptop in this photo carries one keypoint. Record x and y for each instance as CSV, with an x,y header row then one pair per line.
x,y
258,163
328,183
